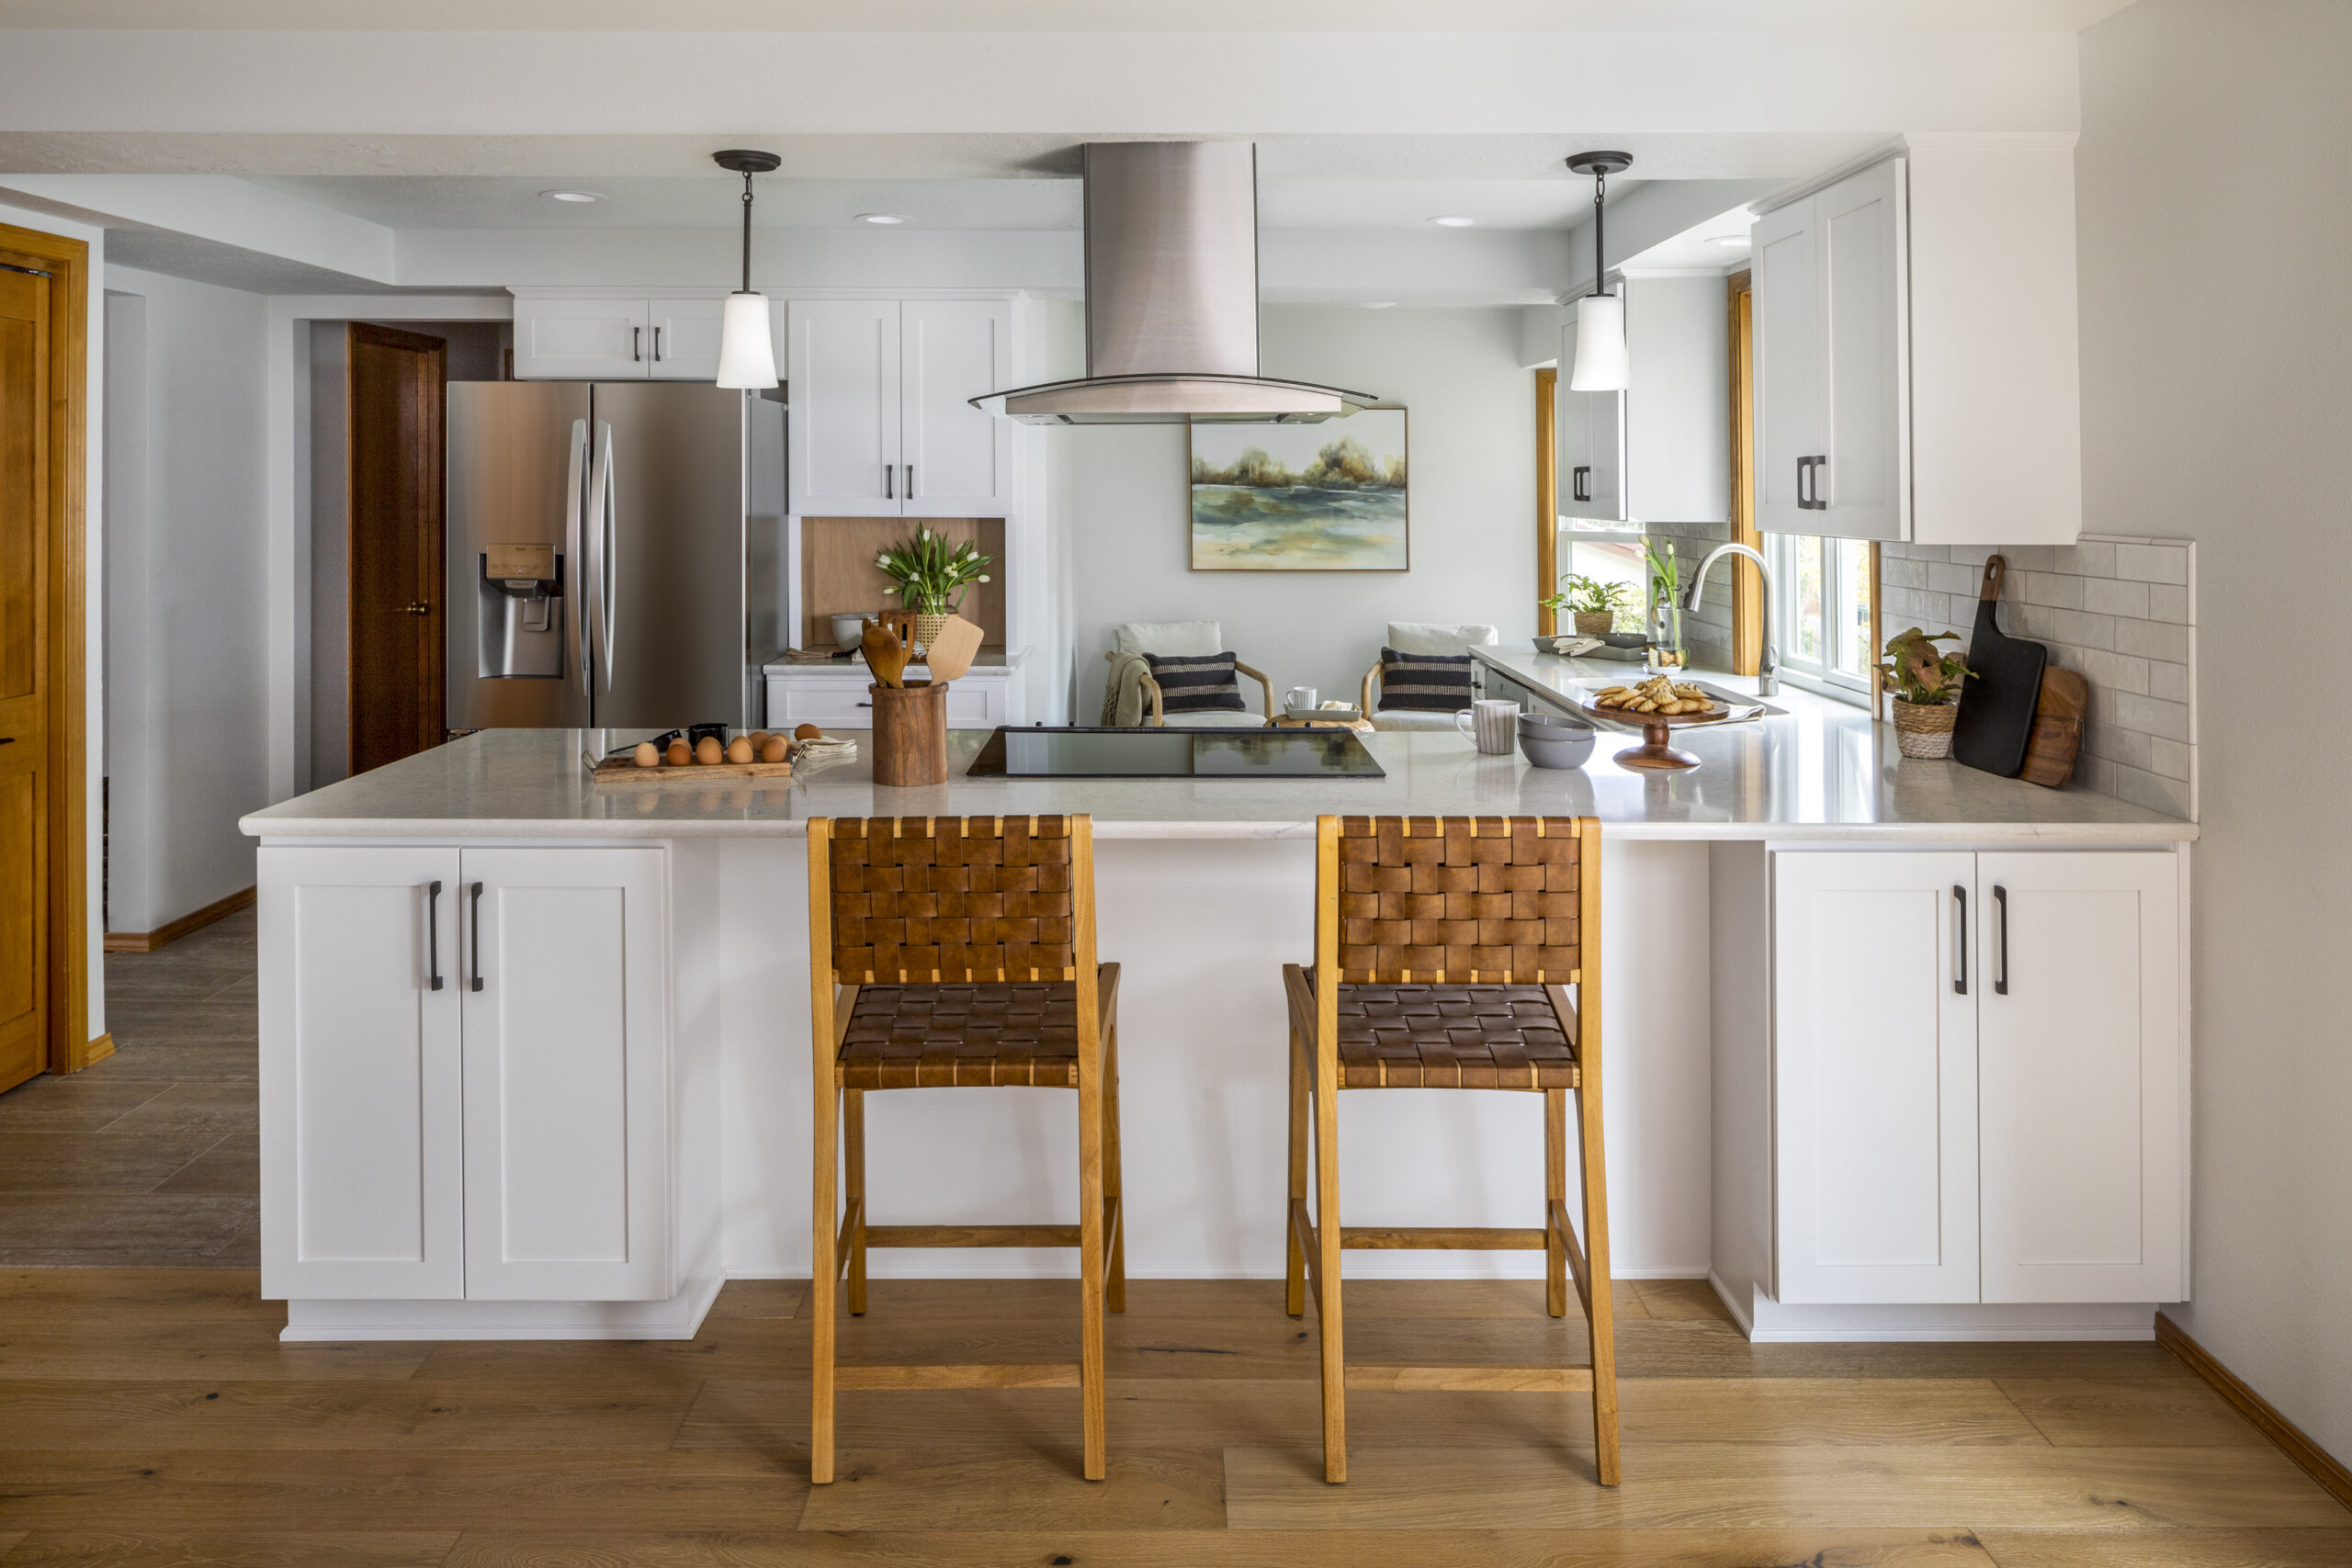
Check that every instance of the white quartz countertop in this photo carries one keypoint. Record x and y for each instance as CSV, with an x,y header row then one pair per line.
x,y
1823,772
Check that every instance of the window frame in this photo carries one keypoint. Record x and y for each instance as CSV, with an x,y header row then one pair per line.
x,y
1822,676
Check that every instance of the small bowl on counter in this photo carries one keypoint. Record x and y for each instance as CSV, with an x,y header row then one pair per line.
x,y
1550,741
848,630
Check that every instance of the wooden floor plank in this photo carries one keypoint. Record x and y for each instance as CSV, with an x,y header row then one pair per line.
x,y
1030,1489
2143,1412
308,1549
2171,1548
291,1413
761,1298
1735,1485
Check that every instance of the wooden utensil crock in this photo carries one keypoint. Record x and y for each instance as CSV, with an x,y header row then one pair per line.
x,y
909,734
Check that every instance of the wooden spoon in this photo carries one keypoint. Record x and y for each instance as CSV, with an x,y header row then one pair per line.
x,y
950,654
885,654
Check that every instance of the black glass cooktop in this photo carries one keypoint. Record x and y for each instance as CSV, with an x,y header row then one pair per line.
x,y
1172,753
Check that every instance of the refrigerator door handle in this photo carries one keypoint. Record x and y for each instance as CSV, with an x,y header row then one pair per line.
x,y
607,596
571,500
597,537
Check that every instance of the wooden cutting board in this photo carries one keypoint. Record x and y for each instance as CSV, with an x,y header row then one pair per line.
x,y
623,770
1997,704
2057,733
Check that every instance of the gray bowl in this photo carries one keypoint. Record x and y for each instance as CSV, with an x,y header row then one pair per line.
x,y
1552,742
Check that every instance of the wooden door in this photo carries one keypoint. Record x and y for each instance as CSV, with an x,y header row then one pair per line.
x,y
844,371
566,1065
956,460
398,512
1874,1076
1865,400
2084,1076
1786,276
25,676
362,1096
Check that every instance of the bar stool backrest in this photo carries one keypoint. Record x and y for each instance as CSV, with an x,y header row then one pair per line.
x,y
1455,900
933,900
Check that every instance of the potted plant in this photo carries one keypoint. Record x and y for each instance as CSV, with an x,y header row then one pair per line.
x,y
929,578
1592,603
1925,683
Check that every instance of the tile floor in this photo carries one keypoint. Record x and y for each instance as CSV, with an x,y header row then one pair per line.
x,y
150,1158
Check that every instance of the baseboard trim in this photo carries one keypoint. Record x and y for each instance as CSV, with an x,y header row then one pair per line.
x,y
2316,1461
162,936
96,1051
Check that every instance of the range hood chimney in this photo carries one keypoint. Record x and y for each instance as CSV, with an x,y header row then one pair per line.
x,y
1171,299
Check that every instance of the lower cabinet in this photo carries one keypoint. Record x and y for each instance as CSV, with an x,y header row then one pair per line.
x,y
982,699
465,1073
1979,1077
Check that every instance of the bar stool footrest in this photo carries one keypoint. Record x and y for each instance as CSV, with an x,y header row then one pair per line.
x,y
1054,1374
1473,1380
1454,1239
971,1236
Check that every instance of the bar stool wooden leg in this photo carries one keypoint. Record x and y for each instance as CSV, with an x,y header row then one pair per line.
x,y
824,1269
1114,1219
1089,1262
1327,1246
1599,1312
853,1188
1555,1195
1294,1251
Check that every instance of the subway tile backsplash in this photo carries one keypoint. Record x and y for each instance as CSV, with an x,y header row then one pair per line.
x,y
2119,611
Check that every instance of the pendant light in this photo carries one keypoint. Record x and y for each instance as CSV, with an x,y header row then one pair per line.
x,y
746,352
1601,365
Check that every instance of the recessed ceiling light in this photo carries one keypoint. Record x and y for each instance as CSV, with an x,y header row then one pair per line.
x,y
1380,304
1453,221
1740,240
573,195
887,220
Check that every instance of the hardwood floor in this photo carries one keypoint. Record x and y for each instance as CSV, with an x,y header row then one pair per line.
x,y
149,1414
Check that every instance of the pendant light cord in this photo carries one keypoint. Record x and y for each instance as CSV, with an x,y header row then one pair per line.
x,y
747,231
1599,185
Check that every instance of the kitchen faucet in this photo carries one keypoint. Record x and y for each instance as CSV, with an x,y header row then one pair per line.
x,y
1767,668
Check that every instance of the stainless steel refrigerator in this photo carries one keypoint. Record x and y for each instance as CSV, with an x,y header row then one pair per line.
x,y
615,553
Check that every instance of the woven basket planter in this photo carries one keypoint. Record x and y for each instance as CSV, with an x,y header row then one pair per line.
x,y
1924,729
926,627
1596,623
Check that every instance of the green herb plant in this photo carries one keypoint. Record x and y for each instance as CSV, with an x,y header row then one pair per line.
x,y
1919,672
926,572
1590,596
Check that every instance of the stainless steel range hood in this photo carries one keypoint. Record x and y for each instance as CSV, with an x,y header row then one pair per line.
x,y
1171,299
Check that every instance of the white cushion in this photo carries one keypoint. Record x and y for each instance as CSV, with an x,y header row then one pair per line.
x,y
1165,637
1411,718
1431,637
1216,718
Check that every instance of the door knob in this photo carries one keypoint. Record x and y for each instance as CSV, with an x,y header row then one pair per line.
x,y
418,608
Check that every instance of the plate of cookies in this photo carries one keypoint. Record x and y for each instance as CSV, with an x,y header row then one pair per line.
x,y
1659,699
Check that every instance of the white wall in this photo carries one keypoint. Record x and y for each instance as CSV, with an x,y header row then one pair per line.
x,y
1470,438
185,592
2215,325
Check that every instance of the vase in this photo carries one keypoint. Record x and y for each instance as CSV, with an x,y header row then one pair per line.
x,y
1595,623
1924,729
1665,651
927,625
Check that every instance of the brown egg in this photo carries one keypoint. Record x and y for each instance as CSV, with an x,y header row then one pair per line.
x,y
645,756
680,754
758,738
739,749
807,732
708,749
774,750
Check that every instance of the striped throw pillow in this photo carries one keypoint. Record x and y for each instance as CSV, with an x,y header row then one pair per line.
x,y
1426,682
1196,682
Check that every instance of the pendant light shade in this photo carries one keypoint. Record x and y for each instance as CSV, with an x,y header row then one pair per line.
x,y
746,351
1602,363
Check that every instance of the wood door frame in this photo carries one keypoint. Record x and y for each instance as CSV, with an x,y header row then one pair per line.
x,y
434,578
1547,498
67,263
1746,582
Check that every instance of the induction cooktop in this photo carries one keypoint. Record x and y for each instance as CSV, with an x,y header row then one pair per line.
x,y
1076,752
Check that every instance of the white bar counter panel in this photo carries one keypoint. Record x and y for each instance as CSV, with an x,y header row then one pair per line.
x,y
1204,889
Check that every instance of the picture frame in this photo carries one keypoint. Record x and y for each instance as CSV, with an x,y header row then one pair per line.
x,y
1328,496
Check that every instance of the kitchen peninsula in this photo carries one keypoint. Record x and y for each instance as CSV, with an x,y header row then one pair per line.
x,y
533,1053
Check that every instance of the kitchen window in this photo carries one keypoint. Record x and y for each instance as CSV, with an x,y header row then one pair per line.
x,y
1606,552
1821,613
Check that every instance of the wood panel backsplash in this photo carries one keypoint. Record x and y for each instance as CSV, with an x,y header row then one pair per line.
x,y
838,576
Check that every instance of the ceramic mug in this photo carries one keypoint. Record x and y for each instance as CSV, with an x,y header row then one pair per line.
x,y
1299,699
1493,725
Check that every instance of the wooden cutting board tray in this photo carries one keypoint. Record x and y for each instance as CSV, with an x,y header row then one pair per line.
x,y
624,771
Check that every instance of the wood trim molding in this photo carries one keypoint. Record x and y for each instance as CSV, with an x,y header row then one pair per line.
x,y
2316,1461
1547,498
68,263
1746,582
98,1050
165,935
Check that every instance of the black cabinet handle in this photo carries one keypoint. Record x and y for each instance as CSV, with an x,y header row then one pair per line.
x,y
1580,484
433,932
910,481
889,479
2001,915
475,891
1959,975
657,345
635,344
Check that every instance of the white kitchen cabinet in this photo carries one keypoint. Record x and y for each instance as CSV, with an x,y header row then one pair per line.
x,y
1592,438
1658,451
683,338
582,340
1874,1077
567,1114
981,700
1918,371
2083,1082
362,1095
881,421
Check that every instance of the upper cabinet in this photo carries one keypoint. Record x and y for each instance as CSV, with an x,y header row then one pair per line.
x,y
631,339
882,422
1660,450
1917,369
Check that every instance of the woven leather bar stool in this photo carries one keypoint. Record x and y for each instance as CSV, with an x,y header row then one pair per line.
x,y
1445,948
955,952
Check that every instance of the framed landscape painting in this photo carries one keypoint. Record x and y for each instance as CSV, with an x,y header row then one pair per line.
x,y
1328,497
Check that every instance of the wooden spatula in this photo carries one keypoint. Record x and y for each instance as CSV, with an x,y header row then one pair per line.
x,y
885,654
950,654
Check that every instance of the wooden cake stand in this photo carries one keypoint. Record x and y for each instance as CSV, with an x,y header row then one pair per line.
x,y
1657,750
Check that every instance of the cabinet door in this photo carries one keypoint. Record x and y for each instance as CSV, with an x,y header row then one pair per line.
x,y
684,339
362,1112
566,1067
2083,1077
1874,1077
955,459
582,340
844,419
1787,327
1866,396
1590,441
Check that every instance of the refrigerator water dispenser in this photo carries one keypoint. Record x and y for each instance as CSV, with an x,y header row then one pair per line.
x,y
522,612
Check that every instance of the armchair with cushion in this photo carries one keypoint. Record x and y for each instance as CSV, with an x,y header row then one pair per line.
x,y
1133,696
1424,709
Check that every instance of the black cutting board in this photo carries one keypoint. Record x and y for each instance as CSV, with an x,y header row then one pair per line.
x,y
2003,685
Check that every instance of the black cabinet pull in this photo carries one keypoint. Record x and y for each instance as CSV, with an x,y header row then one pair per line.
x,y
1580,484
635,344
433,932
475,891
910,481
657,345
2001,955
889,480
1959,975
